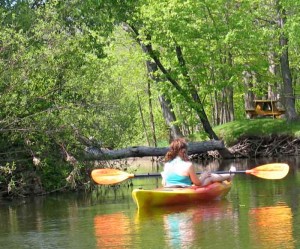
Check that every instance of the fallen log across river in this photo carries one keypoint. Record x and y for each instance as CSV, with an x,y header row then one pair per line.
x,y
94,153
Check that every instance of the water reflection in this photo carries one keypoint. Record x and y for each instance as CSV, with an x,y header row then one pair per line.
x,y
271,227
250,218
179,230
183,225
112,230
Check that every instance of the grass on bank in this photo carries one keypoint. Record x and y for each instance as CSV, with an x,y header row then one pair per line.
x,y
230,132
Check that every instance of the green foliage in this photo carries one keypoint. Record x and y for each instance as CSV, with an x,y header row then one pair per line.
x,y
57,86
8,179
70,76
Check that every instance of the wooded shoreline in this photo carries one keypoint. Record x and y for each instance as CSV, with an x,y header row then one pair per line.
x,y
246,147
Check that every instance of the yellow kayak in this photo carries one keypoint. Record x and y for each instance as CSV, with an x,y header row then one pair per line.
x,y
173,196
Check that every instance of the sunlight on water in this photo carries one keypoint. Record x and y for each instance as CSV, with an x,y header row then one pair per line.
x,y
272,227
112,229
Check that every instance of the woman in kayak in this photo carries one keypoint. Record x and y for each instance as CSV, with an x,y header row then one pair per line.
x,y
179,171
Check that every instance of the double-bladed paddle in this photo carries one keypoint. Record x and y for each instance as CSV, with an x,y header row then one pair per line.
x,y
114,176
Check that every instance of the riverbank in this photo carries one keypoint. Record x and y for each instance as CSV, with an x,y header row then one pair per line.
x,y
232,132
244,139
257,138
261,138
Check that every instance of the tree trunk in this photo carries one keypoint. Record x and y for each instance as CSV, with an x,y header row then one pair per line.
x,y
289,98
274,88
151,114
93,153
230,92
165,104
195,97
216,115
249,95
142,118
169,117
227,106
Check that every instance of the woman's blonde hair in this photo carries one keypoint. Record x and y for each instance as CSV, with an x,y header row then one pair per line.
x,y
178,147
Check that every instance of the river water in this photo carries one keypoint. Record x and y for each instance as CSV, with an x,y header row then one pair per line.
x,y
257,213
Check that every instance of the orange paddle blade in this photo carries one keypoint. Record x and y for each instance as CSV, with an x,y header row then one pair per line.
x,y
109,176
270,171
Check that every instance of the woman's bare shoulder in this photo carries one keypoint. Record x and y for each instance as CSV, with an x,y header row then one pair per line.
x,y
189,165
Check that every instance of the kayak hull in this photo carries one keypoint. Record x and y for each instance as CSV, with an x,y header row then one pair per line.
x,y
174,196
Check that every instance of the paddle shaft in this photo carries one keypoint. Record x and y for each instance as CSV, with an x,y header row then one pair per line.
x,y
267,171
198,173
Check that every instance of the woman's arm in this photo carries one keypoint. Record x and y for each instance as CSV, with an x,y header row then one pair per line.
x,y
163,181
194,178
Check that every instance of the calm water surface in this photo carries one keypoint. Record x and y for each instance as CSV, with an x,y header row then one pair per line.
x,y
257,213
